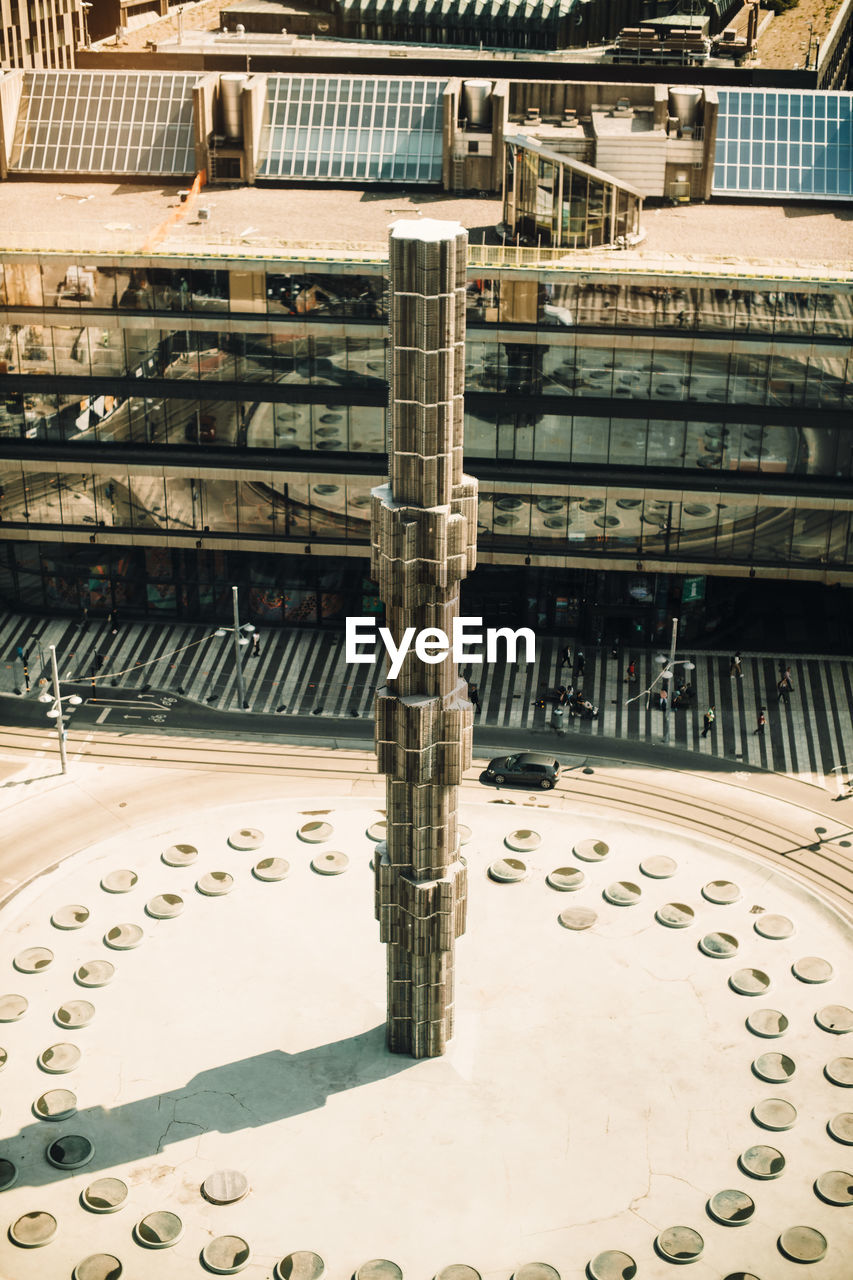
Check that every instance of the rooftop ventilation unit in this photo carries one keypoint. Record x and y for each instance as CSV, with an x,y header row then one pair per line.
x,y
476,102
231,89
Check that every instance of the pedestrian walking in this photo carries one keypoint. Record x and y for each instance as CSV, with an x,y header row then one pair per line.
x,y
734,667
762,721
631,674
664,701
782,690
786,679
580,663
474,696
114,621
256,645
708,720
566,656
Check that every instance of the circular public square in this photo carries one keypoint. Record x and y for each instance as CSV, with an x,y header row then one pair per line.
x,y
650,1052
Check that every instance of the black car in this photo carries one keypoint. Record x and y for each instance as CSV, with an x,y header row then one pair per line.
x,y
528,768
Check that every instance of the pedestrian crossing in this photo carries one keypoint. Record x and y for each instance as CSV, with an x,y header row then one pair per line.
x,y
809,733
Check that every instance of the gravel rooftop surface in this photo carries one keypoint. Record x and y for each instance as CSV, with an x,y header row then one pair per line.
x,y
104,216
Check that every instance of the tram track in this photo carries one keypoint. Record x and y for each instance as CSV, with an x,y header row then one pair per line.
x,y
781,833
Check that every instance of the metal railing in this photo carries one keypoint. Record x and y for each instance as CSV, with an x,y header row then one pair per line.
x,y
221,246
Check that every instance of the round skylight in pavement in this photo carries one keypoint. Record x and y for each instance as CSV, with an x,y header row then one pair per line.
x,y
159,1230
119,881
774,1113
721,892
246,838
803,1244
95,973
591,850
769,1023
659,867
509,870
577,918
566,879
123,937
732,1208
750,982
33,1230
98,1266
33,960
225,1186
330,863
271,869
59,1059
840,1128
104,1195
180,855
523,841
812,969
226,1255
680,1244
303,1264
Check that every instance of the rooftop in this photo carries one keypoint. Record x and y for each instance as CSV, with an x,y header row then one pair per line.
x,y
110,217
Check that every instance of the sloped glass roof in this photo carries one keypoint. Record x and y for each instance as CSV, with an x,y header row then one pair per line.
x,y
352,129
138,122
793,144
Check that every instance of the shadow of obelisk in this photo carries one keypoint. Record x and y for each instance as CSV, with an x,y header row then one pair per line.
x,y
423,543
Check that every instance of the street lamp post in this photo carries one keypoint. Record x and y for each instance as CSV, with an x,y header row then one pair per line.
x,y
55,712
239,640
667,673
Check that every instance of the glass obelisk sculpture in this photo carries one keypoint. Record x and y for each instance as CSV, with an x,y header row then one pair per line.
x,y
423,543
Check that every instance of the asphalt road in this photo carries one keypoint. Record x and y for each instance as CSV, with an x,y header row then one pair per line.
x,y
153,711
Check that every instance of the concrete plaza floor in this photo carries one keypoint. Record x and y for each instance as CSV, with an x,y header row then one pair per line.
x,y
599,1090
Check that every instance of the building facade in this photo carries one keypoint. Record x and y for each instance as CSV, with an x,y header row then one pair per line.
x,y
42,35
159,438
182,414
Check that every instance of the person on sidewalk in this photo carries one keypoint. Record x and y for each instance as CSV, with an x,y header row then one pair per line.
x,y
631,675
664,701
474,696
734,667
782,690
762,721
114,621
708,720
256,645
566,656
786,679
580,663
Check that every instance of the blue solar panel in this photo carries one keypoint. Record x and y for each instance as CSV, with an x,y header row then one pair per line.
x,y
352,128
771,143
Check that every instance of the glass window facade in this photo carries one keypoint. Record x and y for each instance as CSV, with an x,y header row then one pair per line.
x,y
276,589
721,398
597,521
553,201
